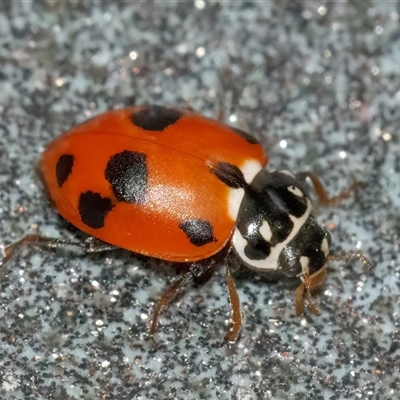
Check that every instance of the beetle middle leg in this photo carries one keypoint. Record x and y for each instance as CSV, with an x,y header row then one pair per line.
x,y
169,295
199,273
236,313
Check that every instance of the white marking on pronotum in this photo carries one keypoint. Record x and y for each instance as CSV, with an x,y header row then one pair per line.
x,y
325,247
304,262
270,262
286,172
265,231
235,198
250,168
295,190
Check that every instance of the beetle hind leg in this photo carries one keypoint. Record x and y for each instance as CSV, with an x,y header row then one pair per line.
x,y
14,249
89,245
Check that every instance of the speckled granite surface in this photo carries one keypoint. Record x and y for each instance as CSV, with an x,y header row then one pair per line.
x,y
318,83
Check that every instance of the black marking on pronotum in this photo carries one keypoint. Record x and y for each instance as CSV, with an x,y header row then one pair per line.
x,y
127,173
155,118
93,208
288,201
246,136
64,168
257,248
267,199
229,174
198,231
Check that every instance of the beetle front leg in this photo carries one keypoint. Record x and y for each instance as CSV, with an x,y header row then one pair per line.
x,y
308,284
321,193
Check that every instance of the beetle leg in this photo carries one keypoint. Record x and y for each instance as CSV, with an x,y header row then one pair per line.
x,y
89,245
199,273
167,298
320,191
308,284
236,314
93,245
14,249
299,296
351,256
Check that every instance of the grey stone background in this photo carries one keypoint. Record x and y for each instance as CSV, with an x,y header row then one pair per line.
x,y
318,83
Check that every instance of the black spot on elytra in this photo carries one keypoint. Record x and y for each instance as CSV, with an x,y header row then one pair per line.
x,y
246,136
93,208
127,173
155,118
64,168
198,231
229,174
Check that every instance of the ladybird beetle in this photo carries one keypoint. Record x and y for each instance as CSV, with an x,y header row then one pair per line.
x,y
180,187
